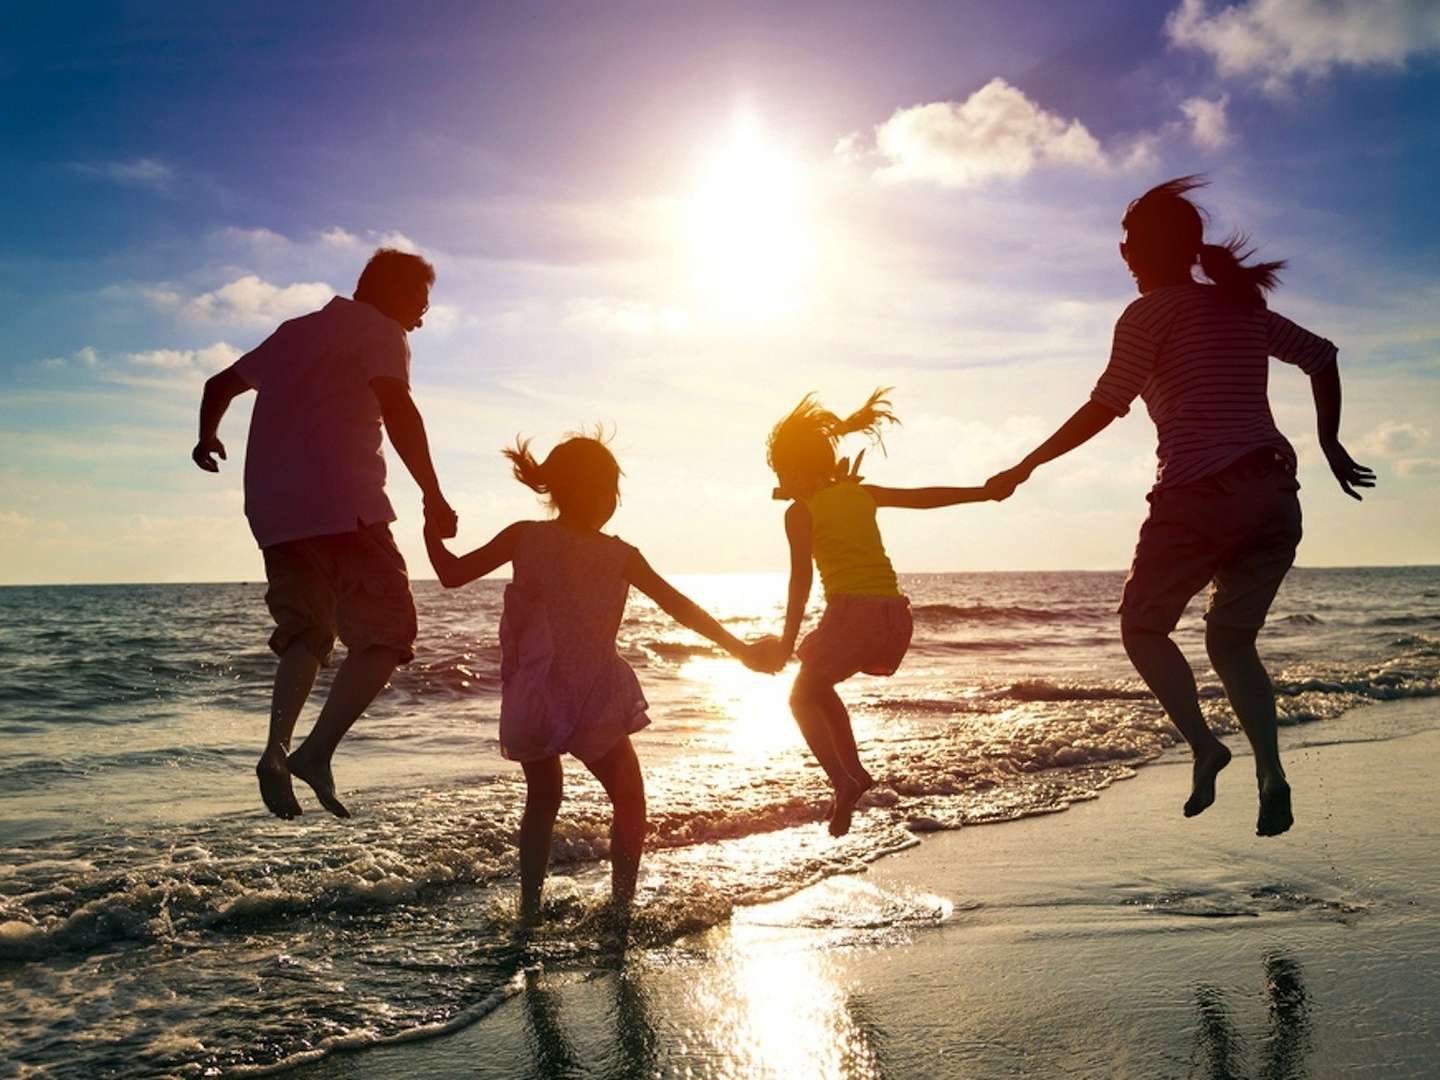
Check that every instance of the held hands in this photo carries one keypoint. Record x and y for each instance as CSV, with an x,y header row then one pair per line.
x,y
205,452
1350,474
766,655
1003,484
440,519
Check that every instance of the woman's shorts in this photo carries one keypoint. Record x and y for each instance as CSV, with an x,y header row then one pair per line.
x,y
1236,531
868,634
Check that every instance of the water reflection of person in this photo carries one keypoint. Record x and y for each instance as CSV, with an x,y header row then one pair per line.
x,y
631,1053
1220,1046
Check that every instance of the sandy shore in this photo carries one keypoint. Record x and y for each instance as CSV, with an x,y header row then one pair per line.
x,y
1113,940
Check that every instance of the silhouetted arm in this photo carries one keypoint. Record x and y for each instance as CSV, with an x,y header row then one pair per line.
x,y
407,435
926,498
1325,387
456,570
681,608
220,389
798,530
1086,422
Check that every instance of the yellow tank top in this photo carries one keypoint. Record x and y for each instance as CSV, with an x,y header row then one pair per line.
x,y
846,542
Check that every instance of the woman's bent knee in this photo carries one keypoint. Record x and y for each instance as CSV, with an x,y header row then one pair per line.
x,y
1229,642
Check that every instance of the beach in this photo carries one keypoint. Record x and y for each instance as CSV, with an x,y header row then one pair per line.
x,y
1116,939
156,922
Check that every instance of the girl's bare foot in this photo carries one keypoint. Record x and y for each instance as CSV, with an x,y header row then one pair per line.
x,y
275,787
1202,788
317,774
843,808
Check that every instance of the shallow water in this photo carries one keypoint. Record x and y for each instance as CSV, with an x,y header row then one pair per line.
x,y
154,920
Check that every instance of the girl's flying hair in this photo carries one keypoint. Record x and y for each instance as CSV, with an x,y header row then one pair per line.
x,y
580,472
1165,229
801,448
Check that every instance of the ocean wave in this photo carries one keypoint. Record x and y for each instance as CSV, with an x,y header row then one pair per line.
x,y
1003,613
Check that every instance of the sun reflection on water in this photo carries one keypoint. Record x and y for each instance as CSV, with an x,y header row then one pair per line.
x,y
755,706
782,1011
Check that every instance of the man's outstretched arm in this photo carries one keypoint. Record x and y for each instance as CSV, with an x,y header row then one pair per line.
x,y
1084,424
220,389
407,435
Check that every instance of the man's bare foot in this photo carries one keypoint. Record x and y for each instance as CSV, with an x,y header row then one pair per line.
x,y
1275,816
1202,788
843,808
317,775
275,787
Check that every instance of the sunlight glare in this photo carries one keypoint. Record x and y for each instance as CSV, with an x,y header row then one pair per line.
x,y
750,238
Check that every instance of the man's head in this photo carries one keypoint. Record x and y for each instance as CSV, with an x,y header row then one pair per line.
x,y
398,284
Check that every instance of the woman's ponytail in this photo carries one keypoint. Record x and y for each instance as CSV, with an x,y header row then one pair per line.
x,y
1224,264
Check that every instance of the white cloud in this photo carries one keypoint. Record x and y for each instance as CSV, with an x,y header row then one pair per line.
x,y
1276,40
86,356
1209,126
1413,467
162,358
397,240
259,236
624,316
337,237
997,132
1393,438
138,172
251,301
207,360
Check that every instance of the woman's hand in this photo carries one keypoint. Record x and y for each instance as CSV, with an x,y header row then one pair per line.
x,y
1350,474
1003,484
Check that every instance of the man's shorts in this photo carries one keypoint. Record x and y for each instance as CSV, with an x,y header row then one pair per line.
x,y
1236,530
351,584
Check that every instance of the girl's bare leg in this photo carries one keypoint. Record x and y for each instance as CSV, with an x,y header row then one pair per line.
x,y
825,723
619,773
544,784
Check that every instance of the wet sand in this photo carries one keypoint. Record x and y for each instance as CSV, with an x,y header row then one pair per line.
x,y
1116,939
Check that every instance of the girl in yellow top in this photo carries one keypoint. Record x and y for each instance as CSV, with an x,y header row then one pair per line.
x,y
866,626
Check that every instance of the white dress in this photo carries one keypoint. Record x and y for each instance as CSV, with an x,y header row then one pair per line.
x,y
565,687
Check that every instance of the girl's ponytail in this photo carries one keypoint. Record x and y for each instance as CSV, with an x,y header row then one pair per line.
x,y
1224,264
868,418
526,469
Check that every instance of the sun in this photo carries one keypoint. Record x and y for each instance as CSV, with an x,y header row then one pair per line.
x,y
749,229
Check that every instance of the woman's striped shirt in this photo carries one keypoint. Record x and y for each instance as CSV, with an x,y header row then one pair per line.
x,y
1201,362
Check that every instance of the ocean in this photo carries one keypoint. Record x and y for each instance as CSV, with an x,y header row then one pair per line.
x,y
155,921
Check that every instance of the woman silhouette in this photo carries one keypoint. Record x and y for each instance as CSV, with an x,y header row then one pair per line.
x,y
1223,509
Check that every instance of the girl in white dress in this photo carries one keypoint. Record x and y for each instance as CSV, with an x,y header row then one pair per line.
x,y
565,688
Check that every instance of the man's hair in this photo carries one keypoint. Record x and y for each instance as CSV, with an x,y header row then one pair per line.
x,y
391,273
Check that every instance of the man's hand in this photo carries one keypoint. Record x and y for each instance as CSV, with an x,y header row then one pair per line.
x,y
205,452
1003,484
440,519
1350,474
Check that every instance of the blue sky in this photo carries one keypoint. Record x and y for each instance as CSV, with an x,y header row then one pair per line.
x,y
676,219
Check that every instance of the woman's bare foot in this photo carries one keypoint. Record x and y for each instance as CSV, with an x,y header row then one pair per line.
x,y
843,808
275,787
1202,788
1275,814
317,774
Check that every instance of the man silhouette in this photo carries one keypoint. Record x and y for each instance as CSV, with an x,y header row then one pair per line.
x,y
315,499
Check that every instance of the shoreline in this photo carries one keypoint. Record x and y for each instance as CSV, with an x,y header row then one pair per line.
x,y
1115,938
